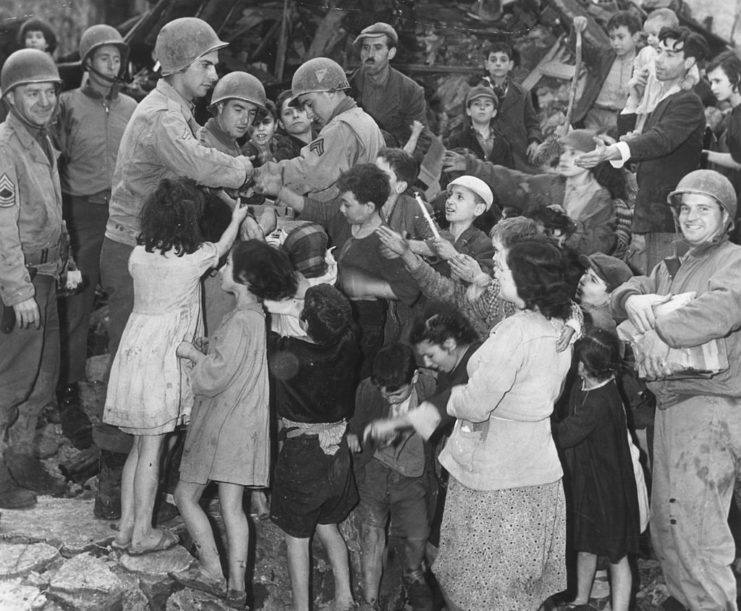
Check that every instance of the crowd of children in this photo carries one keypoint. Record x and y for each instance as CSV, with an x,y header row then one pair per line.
x,y
447,372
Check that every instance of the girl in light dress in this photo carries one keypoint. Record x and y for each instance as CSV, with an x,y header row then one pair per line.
x,y
149,394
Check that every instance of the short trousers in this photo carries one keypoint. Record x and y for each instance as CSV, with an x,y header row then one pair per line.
x,y
310,487
385,492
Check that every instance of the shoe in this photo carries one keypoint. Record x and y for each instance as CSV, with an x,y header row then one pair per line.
x,y
76,425
196,579
108,499
13,496
236,599
166,541
418,592
28,472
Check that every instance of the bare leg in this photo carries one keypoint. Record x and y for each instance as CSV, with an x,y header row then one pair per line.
x,y
586,565
126,524
237,532
298,569
333,542
146,481
374,543
621,581
187,496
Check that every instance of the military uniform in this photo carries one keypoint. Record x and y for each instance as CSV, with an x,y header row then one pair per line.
x,y
31,238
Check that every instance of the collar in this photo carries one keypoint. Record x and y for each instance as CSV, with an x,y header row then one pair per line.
x,y
27,132
171,93
94,94
212,125
675,88
343,106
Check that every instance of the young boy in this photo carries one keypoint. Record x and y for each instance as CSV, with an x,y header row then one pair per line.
x,y
602,276
262,143
468,198
516,118
624,31
480,135
392,479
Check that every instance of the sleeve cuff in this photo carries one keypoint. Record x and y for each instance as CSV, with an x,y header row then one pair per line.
x,y
624,151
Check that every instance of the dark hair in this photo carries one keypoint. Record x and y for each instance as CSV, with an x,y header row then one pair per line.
x,y
327,314
599,351
266,270
264,113
539,270
393,366
38,25
694,45
367,183
402,163
552,218
624,18
503,47
216,217
171,217
440,322
730,63
283,97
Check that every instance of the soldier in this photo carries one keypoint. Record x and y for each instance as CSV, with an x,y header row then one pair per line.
x,y
159,142
89,129
349,135
32,236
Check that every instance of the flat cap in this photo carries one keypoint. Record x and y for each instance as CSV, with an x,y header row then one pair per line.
x,y
377,29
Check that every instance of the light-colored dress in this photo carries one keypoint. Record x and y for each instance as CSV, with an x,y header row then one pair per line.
x,y
149,391
229,434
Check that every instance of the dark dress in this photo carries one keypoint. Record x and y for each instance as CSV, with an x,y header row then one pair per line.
x,y
600,486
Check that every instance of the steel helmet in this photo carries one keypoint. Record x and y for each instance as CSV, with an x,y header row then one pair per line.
x,y
28,66
478,186
239,86
181,41
99,35
710,183
316,75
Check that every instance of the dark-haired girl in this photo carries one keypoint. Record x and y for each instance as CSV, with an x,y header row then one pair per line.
x,y
148,391
502,539
228,438
604,515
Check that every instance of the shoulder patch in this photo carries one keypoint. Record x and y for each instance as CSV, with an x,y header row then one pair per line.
x,y
317,147
7,192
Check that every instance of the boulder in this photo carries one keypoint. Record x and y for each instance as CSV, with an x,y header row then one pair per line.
x,y
16,595
87,583
20,559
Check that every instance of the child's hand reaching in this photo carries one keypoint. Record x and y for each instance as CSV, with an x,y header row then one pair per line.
x,y
465,268
240,213
380,430
565,338
443,248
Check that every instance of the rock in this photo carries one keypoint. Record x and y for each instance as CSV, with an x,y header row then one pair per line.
x,y
193,600
86,582
20,559
134,599
15,595
172,560
67,524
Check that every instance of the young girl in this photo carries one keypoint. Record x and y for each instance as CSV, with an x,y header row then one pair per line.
x,y
148,392
261,145
295,130
601,484
229,435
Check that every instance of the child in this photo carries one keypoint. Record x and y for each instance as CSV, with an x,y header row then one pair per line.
x,y
392,479
37,34
644,88
313,487
261,145
602,276
480,135
295,130
604,509
623,29
228,437
468,198
516,117
148,393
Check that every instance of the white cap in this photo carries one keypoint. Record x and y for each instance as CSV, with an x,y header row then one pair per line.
x,y
478,186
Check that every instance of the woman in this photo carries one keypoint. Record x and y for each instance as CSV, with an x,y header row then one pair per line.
x,y
503,532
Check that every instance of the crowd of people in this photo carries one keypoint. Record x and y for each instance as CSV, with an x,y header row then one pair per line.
x,y
494,375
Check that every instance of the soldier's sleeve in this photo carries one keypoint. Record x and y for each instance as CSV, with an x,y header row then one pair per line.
x,y
15,283
322,160
181,151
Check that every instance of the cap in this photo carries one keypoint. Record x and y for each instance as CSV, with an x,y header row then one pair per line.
x,y
478,186
377,29
611,270
580,139
481,91
306,247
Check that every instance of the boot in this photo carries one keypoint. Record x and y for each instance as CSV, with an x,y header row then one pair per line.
x,y
108,499
76,425
13,496
419,593
28,472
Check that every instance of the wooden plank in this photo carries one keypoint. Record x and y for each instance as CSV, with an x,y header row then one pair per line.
x,y
532,79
